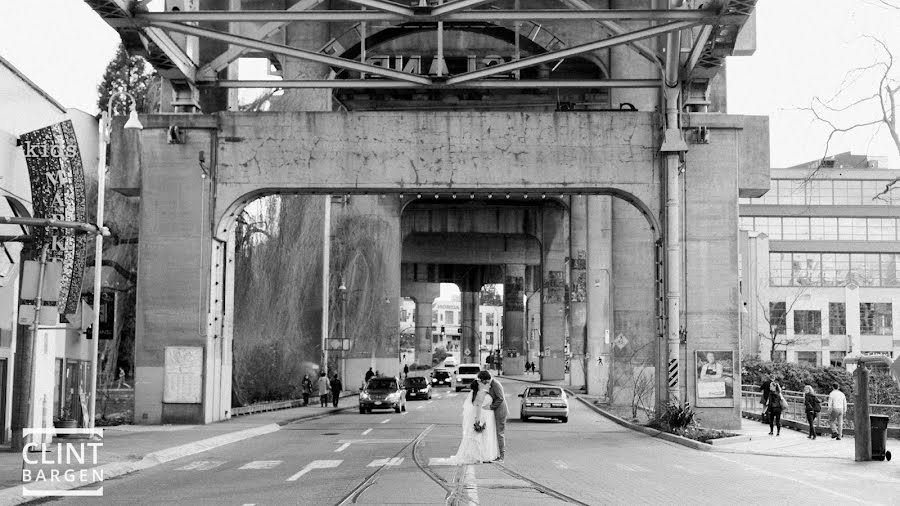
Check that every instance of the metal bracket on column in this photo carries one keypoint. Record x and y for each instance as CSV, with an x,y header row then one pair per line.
x,y
185,97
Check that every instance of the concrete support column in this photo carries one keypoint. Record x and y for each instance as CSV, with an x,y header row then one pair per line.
x,y
862,425
424,295
470,298
310,36
533,326
626,63
578,296
599,295
555,246
514,319
851,310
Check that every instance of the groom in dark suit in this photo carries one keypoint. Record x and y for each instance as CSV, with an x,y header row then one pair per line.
x,y
498,405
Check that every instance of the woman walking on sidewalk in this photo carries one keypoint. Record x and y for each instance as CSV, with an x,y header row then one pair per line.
x,y
811,402
774,406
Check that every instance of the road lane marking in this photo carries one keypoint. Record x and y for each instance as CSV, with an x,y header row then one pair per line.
x,y
316,464
560,464
386,421
261,464
201,465
342,447
366,431
395,461
404,413
470,485
420,407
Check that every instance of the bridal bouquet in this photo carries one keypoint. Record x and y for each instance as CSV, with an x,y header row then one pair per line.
x,y
479,426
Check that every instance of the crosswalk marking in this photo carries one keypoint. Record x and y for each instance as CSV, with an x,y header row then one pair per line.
x,y
316,464
201,465
342,447
366,431
560,464
420,407
261,464
386,421
633,468
395,461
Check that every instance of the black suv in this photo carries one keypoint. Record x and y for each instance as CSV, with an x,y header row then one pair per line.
x,y
441,377
417,387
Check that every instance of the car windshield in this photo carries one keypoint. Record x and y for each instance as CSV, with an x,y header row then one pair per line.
x,y
439,374
469,370
544,392
382,384
416,381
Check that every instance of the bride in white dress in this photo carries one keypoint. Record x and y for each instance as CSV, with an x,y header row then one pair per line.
x,y
476,447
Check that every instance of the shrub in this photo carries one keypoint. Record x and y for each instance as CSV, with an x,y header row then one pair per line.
x,y
439,355
795,376
673,416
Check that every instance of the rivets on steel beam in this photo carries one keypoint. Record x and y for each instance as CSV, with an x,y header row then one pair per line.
x,y
490,195
418,195
525,196
454,196
436,195
472,196
543,195
507,195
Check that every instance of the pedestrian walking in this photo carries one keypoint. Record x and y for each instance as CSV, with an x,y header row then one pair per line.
x,y
323,387
775,404
369,375
812,405
336,387
837,406
405,370
306,388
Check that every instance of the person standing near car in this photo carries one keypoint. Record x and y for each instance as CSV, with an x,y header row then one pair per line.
x,y
405,371
336,387
323,387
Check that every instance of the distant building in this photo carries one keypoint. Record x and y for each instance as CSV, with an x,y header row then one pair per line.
x,y
821,262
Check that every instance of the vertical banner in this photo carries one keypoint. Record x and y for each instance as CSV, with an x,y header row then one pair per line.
x,y
57,192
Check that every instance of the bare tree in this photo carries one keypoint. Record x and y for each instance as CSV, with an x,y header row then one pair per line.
x,y
879,105
776,324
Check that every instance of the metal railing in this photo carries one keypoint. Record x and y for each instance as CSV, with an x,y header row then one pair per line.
x,y
796,408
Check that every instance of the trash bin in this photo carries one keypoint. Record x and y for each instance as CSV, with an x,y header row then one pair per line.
x,y
879,437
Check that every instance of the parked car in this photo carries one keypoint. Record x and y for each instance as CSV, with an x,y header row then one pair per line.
x,y
449,362
464,376
417,387
382,393
441,377
547,402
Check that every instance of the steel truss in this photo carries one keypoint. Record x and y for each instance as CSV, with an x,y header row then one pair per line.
x,y
709,34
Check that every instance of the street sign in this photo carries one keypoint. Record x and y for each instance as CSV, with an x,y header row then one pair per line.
x,y
621,341
467,352
346,345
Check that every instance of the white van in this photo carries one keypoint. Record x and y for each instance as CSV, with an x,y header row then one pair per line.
x,y
465,375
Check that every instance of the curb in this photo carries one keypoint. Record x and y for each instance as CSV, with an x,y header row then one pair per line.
x,y
13,495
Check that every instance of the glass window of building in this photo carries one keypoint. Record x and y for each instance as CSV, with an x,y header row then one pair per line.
x,y
823,229
858,229
872,188
489,319
779,356
785,191
875,319
807,269
820,193
771,197
448,318
873,274
837,319
770,225
837,358
795,229
808,357
889,274
858,269
489,338
780,269
807,322
778,317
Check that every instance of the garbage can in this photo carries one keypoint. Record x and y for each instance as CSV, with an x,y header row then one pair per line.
x,y
879,437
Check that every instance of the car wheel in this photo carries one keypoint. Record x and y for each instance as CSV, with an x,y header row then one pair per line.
x,y
362,411
564,419
457,389
524,418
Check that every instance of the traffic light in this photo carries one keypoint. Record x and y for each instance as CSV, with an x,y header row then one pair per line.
x,y
442,329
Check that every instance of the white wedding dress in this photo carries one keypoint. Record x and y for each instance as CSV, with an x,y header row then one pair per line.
x,y
475,447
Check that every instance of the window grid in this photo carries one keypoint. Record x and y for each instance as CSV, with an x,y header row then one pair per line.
x,y
822,229
837,319
834,269
839,192
807,322
875,318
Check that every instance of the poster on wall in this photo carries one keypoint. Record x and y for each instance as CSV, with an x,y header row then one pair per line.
x,y
715,378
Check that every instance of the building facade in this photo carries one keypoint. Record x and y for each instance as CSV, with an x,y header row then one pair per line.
x,y
821,266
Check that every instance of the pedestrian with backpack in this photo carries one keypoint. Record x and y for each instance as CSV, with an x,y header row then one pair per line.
x,y
813,406
775,404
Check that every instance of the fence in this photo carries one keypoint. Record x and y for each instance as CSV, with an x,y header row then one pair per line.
x,y
796,410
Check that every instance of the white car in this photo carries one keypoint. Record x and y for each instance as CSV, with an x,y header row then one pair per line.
x,y
449,362
464,375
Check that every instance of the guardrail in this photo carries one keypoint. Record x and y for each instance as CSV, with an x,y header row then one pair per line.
x,y
266,406
796,409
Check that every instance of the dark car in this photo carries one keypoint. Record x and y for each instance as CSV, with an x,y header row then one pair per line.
x,y
417,387
441,377
382,393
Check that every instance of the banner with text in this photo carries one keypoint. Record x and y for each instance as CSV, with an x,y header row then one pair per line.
x,y
57,192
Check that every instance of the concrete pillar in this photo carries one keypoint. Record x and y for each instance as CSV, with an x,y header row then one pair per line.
x,y
310,36
851,309
599,294
555,246
469,339
626,63
514,319
424,295
578,231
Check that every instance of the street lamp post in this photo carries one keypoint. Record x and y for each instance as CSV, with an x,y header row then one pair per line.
x,y
343,293
105,127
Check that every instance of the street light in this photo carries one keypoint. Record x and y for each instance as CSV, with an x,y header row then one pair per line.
x,y
342,290
105,127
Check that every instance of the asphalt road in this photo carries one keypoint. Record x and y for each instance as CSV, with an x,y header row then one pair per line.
x,y
383,458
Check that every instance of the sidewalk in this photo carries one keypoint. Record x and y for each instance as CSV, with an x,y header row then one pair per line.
x,y
753,436
129,448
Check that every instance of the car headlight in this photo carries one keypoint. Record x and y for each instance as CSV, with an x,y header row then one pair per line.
x,y
434,380
529,404
394,396
424,390
363,396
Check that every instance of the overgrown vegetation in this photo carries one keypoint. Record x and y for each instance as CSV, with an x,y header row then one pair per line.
x,y
795,376
680,419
